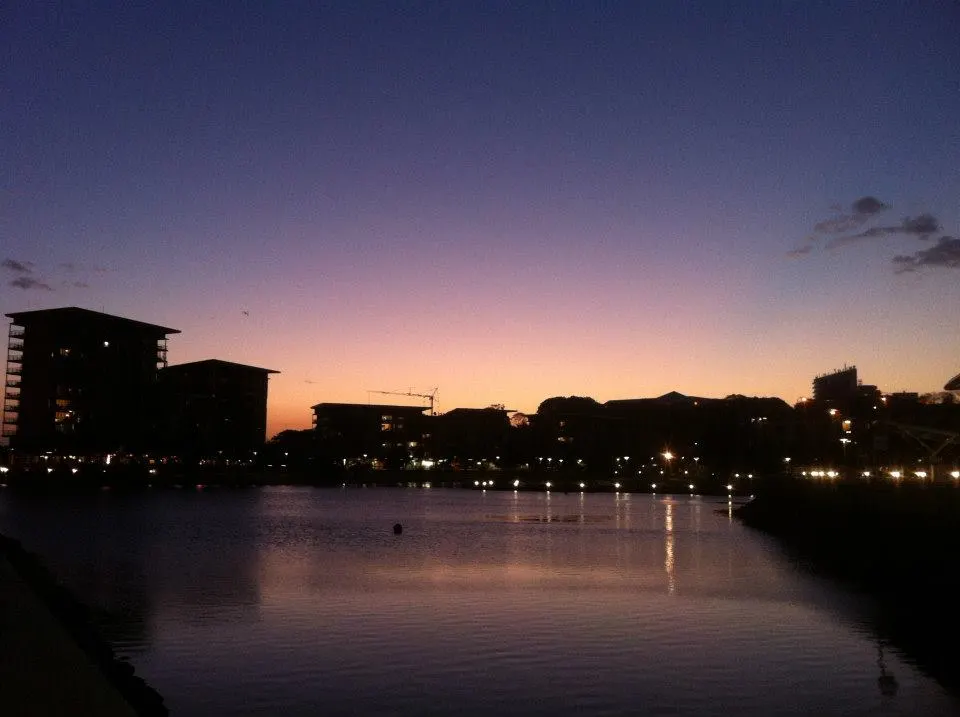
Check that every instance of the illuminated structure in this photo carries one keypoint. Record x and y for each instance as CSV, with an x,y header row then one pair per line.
x,y
81,381
842,386
214,408
380,431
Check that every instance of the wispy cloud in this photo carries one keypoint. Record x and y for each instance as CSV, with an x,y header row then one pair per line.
x,y
28,282
920,227
860,212
67,275
858,224
20,267
945,253
800,251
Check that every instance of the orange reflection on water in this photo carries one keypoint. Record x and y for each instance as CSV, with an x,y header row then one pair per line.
x,y
669,561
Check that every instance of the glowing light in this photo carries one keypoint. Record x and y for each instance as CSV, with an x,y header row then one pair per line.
x,y
729,486
583,485
549,484
516,484
690,486
73,470
4,469
920,474
953,474
895,474
866,474
653,485
667,455
617,486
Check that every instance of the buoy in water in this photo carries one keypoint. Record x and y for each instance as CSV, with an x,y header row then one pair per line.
x,y
397,529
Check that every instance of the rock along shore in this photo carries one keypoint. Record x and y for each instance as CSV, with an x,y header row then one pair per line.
x,y
52,661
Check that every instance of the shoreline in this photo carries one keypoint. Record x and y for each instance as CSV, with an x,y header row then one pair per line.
x,y
73,618
897,544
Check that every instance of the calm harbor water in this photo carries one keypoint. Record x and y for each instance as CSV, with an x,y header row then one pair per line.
x,y
301,601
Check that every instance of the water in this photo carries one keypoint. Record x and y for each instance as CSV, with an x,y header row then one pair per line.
x,y
301,601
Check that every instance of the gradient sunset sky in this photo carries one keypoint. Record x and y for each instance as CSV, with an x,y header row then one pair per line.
x,y
508,201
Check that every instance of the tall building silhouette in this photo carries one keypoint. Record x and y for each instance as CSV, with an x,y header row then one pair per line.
x,y
214,407
81,381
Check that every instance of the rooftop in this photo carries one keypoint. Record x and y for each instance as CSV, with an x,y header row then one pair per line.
x,y
78,315
218,363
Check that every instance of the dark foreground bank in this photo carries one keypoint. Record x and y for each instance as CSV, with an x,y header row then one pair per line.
x,y
75,620
898,543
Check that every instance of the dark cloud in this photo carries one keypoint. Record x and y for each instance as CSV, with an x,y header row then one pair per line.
x,y
945,253
22,267
26,282
921,227
868,206
860,213
77,284
858,224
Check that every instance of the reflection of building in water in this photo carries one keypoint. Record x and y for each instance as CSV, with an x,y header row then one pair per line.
x,y
669,561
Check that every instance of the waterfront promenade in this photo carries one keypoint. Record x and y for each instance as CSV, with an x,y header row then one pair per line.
x,y
43,672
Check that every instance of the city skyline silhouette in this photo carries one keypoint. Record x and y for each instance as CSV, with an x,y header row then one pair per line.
x,y
508,203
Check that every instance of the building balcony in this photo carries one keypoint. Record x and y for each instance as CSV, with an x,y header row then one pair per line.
x,y
15,332
13,383
11,396
15,344
14,370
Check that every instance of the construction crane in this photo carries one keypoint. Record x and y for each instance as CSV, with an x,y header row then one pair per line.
x,y
431,397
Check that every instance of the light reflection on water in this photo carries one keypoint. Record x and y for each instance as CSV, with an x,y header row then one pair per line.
x,y
302,601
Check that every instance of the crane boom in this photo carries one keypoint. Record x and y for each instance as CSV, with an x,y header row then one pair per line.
x,y
431,397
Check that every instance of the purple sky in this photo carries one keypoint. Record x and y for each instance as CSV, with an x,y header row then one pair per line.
x,y
506,201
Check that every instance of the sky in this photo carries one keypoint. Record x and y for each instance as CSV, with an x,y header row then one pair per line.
x,y
503,201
